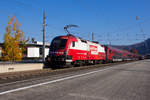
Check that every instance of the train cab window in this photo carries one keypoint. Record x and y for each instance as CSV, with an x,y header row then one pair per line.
x,y
58,43
73,44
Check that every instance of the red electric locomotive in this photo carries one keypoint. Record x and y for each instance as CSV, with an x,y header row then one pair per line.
x,y
69,49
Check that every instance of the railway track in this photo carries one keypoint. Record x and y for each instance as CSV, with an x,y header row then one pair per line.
x,y
26,75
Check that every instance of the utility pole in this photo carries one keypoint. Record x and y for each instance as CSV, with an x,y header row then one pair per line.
x,y
44,24
92,36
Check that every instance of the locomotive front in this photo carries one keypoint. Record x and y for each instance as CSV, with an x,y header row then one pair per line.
x,y
58,52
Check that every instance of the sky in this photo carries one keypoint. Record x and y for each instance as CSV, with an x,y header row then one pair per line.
x,y
112,21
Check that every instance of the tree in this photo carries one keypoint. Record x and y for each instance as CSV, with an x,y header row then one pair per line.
x,y
12,38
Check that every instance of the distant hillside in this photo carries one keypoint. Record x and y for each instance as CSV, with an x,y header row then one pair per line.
x,y
143,48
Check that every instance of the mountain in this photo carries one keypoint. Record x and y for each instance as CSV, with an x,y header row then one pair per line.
x,y
143,48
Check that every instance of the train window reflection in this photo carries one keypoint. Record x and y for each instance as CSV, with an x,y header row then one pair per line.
x,y
58,43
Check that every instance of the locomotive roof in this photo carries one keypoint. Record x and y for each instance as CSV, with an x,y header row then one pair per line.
x,y
83,40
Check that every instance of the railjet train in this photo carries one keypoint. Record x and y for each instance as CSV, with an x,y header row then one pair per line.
x,y
71,50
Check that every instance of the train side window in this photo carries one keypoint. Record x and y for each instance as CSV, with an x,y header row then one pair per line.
x,y
83,41
73,44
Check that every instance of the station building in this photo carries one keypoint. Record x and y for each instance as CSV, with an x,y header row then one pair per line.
x,y
33,50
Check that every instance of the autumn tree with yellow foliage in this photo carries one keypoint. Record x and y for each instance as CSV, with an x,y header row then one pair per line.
x,y
12,51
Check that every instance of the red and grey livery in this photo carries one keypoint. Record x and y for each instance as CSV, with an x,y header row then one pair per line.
x,y
114,54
